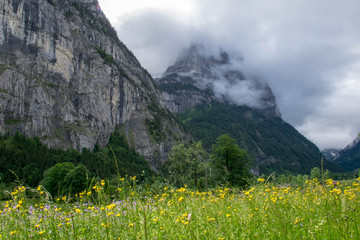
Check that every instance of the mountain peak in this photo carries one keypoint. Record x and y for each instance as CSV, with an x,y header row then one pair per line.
x,y
225,75
198,61
353,143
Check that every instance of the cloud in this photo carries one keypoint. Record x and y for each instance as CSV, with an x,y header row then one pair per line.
x,y
335,123
304,49
241,92
235,83
155,37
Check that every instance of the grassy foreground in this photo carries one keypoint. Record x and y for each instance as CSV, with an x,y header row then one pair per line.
x,y
314,211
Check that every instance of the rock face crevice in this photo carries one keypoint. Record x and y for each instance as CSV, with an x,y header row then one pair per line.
x,y
66,78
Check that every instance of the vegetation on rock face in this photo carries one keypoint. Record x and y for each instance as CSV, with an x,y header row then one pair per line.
x,y
108,59
52,2
100,24
158,131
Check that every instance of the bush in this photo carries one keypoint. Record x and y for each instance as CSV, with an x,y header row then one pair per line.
x,y
76,180
54,178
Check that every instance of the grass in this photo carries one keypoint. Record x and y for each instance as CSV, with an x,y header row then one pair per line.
x,y
130,211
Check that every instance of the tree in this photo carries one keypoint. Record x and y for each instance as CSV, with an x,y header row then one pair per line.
x,y
177,165
185,165
327,174
197,158
230,163
315,173
54,178
76,179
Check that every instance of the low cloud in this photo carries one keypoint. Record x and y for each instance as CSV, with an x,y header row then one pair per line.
x,y
242,92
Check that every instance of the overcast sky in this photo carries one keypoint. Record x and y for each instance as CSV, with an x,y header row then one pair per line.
x,y
307,50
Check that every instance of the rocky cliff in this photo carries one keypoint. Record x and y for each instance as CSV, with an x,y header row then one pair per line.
x,y
67,78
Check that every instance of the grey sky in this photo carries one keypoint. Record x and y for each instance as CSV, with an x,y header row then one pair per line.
x,y
308,51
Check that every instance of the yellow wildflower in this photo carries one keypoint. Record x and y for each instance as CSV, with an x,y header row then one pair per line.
x,y
261,179
110,206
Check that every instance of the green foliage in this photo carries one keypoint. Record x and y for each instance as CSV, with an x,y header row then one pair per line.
x,y
186,165
315,173
264,137
76,180
263,211
13,121
29,159
97,23
230,163
54,178
327,174
108,59
154,127
129,162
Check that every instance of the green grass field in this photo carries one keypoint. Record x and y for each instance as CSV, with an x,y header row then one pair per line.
x,y
315,211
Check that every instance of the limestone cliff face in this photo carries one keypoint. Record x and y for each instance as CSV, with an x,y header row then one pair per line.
x,y
66,78
199,75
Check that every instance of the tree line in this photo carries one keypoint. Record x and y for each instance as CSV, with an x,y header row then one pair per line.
x,y
70,171
189,164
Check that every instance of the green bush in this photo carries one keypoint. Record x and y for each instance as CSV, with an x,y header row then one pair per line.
x,y
76,180
55,178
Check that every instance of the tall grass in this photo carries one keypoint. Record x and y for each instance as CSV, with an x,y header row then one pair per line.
x,y
264,211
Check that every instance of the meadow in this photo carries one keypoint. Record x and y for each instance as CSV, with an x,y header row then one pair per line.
x,y
328,210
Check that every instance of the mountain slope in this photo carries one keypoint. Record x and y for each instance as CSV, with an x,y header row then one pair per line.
x,y
349,157
67,78
330,154
213,95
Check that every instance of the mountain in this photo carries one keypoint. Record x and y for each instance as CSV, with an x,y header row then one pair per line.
x,y
212,94
66,78
198,77
349,157
330,154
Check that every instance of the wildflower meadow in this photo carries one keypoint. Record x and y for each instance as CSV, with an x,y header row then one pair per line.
x,y
328,210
